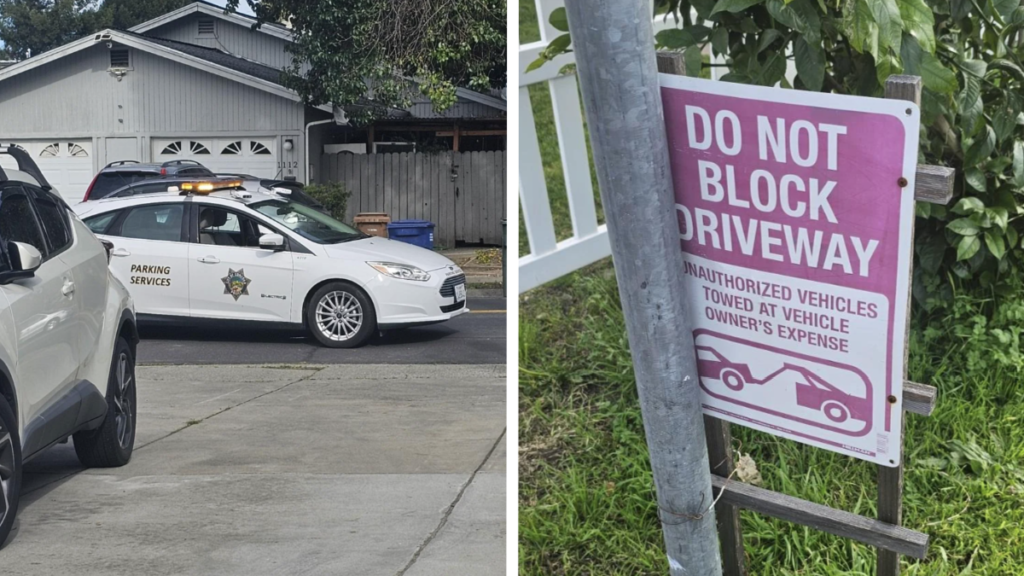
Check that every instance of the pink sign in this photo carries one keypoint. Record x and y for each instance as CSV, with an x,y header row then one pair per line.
x,y
795,215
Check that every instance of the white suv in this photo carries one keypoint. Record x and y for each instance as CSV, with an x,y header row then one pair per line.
x,y
67,335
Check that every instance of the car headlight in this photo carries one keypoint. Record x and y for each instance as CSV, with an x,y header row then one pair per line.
x,y
403,271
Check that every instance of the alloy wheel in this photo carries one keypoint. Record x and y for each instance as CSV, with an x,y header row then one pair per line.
x,y
339,315
123,401
7,472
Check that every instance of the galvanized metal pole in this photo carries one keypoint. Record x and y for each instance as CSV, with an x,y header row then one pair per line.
x,y
614,45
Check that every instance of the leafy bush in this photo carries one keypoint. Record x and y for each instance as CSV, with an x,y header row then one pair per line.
x,y
333,195
968,57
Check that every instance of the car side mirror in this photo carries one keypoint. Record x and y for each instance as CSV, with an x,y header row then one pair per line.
x,y
25,260
273,242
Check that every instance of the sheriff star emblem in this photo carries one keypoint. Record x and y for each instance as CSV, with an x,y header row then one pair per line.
x,y
236,284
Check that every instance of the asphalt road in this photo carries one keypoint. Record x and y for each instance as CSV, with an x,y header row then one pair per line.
x,y
474,338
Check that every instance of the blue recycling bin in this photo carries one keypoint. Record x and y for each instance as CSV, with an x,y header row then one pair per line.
x,y
416,232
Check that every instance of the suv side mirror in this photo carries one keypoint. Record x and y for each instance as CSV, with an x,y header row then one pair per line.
x,y
25,260
273,242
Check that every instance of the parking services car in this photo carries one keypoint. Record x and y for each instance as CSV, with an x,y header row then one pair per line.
x,y
67,336
213,251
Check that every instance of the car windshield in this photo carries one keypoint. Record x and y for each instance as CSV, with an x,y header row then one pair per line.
x,y
308,222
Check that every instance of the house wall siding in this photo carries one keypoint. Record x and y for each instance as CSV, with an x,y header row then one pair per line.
x,y
78,96
235,39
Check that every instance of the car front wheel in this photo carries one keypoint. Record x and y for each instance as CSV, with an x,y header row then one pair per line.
x,y
341,316
112,443
10,469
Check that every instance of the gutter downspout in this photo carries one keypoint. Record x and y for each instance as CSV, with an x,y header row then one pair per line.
x,y
309,172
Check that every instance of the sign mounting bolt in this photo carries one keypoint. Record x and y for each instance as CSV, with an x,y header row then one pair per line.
x,y
902,182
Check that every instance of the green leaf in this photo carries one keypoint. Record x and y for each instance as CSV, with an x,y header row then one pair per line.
x,y
969,205
981,149
976,68
995,244
1005,8
967,247
890,24
919,22
770,72
733,6
1008,67
770,35
1000,217
720,41
679,38
975,179
557,46
810,63
1004,121
1011,238
692,59
536,64
931,253
799,15
964,227
860,27
703,7
934,75
887,65
559,20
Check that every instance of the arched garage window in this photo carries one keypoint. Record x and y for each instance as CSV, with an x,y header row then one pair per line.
x,y
172,148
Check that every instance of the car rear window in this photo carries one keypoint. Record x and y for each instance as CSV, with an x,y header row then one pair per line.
x,y
108,182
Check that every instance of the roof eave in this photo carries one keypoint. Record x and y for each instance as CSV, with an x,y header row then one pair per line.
x,y
140,43
211,11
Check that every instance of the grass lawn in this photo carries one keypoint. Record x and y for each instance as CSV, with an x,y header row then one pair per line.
x,y
586,496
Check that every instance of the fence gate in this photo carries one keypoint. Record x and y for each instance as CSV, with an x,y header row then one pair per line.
x,y
462,193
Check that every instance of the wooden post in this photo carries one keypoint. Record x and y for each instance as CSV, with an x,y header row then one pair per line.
x,y
890,480
369,139
455,139
719,436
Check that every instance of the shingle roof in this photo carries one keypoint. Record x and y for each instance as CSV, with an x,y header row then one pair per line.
x,y
219,57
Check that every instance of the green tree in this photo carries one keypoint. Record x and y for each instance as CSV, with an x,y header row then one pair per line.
x,y
29,27
123,14
360,54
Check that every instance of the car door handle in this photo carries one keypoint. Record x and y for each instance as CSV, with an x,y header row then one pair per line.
x,y
209,260
122,252
68,289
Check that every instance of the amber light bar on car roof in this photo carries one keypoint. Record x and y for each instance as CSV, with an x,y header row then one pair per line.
x,y
206,187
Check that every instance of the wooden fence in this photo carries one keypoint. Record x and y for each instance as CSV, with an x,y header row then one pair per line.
x,y
462,193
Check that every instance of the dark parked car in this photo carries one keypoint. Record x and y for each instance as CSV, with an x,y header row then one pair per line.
x,y
117,175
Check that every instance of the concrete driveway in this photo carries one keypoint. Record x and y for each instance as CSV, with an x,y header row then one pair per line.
x,y
365,469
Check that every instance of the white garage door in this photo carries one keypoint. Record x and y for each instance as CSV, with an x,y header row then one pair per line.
x,y
66,164
249,155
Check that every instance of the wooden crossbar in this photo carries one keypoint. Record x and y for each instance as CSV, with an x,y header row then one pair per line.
x,y
841,523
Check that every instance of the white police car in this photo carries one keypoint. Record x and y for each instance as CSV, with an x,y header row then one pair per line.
x,y
212,251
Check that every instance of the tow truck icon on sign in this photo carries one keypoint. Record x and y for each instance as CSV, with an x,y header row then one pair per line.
x,y
800,388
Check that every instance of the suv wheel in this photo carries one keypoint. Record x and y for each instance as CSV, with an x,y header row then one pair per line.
x,y
10,469
341,316
112,443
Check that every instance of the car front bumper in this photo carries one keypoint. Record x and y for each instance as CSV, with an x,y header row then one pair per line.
x,y
407,303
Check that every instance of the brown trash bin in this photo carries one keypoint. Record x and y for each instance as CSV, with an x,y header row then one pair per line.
x,y
373,223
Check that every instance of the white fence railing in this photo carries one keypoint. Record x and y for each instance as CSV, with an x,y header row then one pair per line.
x,y
549,258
